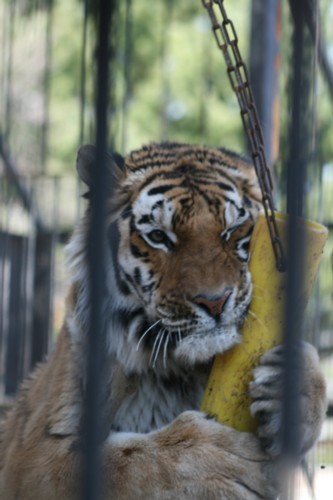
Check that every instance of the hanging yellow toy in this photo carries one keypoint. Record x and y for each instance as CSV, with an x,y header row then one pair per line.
x,y
226,395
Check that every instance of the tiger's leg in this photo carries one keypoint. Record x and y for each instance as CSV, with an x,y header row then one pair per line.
x,y
192,458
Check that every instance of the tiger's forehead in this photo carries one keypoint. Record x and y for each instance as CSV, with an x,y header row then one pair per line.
x,y
193,168
170,184
169,205
167,155
186,193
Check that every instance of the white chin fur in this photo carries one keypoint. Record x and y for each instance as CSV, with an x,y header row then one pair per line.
x,y
200,348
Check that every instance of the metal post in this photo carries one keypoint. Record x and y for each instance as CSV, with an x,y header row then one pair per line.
x,y
92,477
128,49
296,178
42,296
264,70
47,86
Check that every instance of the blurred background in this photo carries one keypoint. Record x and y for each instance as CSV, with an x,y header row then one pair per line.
x,y
168,81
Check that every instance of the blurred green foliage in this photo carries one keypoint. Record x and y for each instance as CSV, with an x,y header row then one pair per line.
x,y
178,84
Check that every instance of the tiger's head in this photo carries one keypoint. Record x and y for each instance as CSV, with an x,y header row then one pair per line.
x,y
180,222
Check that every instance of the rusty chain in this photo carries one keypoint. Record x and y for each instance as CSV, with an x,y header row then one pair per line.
x,y
227,41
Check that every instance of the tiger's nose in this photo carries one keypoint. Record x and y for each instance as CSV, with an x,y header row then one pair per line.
x,y
213,305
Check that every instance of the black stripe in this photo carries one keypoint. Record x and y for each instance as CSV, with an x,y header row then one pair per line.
x,y
145,219
136,252
137,275
247,201
161,189
114,238
158,204
129,279
126,213
226,187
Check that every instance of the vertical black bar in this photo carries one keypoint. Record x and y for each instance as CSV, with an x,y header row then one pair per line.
x,y
83,72
165,84
127,73
96,341
15,330
4,264
264,69
83,77
296,174
9,71
43,267
3,312
47,85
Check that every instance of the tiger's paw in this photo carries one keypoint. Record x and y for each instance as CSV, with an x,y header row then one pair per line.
x,y
215,461
266,392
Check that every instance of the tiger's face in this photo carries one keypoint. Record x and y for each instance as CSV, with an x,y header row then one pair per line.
x,y
183,231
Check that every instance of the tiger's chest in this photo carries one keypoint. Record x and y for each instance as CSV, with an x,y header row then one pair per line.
x,y
155,401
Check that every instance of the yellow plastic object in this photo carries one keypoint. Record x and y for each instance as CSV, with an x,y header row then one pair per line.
x,y
226,396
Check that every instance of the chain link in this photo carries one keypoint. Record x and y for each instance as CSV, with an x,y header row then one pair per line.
x,y
227,40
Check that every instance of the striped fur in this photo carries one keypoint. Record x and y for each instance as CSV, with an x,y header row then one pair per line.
x,y
202,203
177,288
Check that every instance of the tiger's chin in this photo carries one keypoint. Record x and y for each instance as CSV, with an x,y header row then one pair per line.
x,y
203,346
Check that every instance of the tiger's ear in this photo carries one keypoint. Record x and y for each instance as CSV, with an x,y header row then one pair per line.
x,y
86,162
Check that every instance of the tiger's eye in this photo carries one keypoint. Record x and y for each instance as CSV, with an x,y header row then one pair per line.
x,y
157,236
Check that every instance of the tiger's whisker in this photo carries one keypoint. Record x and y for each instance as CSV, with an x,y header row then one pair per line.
x,y
145,333
179,335
158,335
251,313
165,349
158,347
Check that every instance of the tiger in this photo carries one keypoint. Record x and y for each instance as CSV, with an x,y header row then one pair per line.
x,y
178,222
